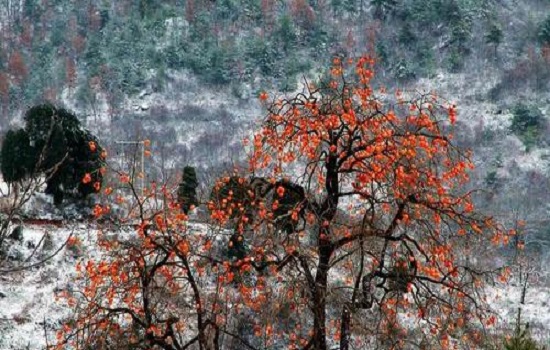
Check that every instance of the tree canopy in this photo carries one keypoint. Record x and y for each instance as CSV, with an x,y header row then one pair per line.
x,y
187,190
54,143
15,162
380,261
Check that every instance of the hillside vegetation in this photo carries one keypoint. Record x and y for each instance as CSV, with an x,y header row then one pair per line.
x,y
382,99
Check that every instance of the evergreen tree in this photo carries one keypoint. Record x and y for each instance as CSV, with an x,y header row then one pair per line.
x,y
406,35
460,26
286,33
527,124
64,151
340,6
461,32
234,192
382,53
382,8
31,9
15,156
85,160
146,8
544,32
187,190
494,36
525,118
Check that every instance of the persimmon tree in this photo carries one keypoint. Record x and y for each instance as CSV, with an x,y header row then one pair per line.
x,y
350,230
382,246
155,282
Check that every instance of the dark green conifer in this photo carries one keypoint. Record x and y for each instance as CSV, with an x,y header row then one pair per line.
x,y
53,143
187,190
15,153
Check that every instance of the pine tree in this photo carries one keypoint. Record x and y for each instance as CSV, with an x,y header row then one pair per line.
x,y
382,8
64,151
15,156
286,33
527,124
233,192
187,191
494,36
544,32
340,6
460,26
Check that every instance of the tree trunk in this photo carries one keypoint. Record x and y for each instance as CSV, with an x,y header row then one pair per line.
x,y
344,328
319,300
325,249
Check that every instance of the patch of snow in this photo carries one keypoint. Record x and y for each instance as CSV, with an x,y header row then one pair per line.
x,y
28,308
536,310
3,187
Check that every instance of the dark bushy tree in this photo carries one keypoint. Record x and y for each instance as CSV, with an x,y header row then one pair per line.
x,y
526,117
187,190
233,194
237,247
407,36
521,340
15,156
289,210
544,32
494,36
286,34
343,6
382,8
527,123
461,32
54,143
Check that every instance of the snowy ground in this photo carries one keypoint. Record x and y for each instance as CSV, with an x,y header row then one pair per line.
x,y
28,309
27,305
535,311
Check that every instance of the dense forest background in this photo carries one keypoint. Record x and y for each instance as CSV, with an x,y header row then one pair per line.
x,y
120,48
187,73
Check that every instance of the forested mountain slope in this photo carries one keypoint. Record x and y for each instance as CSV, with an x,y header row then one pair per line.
x,y
187,73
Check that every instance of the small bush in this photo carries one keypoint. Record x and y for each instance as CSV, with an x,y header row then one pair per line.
x,y
521,340
455,61
491,179
527,123
47,244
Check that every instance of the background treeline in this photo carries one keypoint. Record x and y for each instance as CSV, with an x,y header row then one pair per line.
x,y
186,73
117,47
